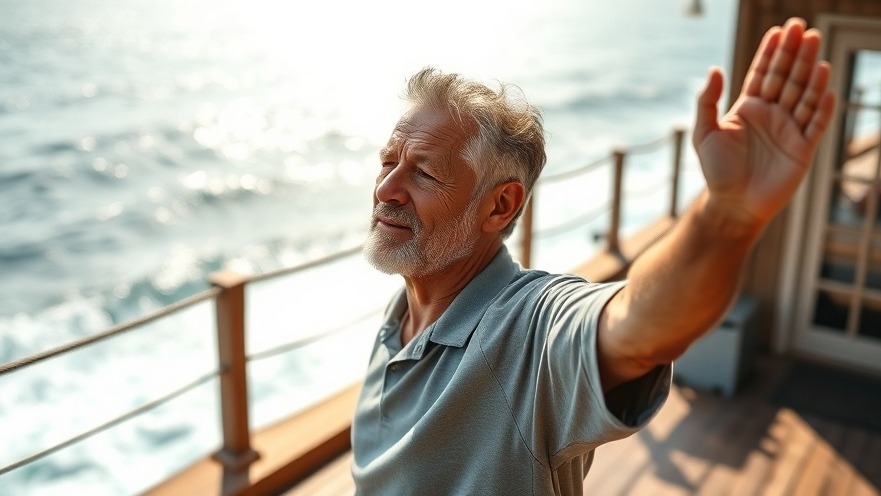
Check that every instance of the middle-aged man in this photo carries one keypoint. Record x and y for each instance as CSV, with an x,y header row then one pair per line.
x,y
489,379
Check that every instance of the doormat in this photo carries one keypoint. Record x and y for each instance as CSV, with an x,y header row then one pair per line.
x,y
831,393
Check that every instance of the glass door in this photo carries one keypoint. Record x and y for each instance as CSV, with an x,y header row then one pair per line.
x,y
840,306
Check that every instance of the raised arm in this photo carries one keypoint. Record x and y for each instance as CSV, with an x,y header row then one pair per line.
x,y
753,160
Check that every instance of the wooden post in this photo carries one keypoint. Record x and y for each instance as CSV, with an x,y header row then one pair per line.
x,y
236,454
526,238
615,222
678,139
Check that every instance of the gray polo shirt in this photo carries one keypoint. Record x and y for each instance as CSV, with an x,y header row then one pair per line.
x,y
501,395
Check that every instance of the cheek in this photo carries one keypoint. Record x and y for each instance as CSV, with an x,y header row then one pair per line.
x,y
448,208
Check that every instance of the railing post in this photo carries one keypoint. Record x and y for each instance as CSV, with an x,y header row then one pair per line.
x,y
617,181
678,140
526,238
236,455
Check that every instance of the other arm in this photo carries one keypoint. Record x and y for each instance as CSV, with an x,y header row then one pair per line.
x,y
753,160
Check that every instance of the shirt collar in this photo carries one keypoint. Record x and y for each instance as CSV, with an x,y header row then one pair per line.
x,y
393,314
457,323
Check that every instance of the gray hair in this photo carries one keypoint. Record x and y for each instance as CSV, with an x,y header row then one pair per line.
x,y
509,142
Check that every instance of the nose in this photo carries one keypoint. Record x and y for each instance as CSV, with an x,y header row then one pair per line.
x,y
392,187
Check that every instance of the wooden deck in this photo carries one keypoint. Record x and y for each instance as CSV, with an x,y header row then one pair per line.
x,y
705,444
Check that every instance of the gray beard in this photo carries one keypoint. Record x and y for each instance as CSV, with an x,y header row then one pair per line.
x,y
421,255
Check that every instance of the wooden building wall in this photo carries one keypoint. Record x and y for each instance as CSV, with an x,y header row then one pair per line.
x,y
754,18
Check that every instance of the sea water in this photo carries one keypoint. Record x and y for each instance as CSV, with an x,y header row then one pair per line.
x,y
146,144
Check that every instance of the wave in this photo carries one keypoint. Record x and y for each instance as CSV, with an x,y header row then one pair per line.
x,y
113,299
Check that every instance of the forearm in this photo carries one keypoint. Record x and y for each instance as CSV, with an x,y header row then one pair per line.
x,y
753,160
683,284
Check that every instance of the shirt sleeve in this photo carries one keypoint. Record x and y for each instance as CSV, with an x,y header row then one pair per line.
x,y
570,395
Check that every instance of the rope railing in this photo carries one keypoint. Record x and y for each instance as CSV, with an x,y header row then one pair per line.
x,y
607,160
647,147
113,331
285,271
307,340
649,190
228,293
580,220
164,312
569,174
110,423
617,161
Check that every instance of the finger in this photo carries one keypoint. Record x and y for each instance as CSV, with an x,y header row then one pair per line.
x,y
781,62
809,103
707,115
801,70
821,118
752,85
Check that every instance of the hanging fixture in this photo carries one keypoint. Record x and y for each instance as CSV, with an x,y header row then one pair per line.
x,y
694,9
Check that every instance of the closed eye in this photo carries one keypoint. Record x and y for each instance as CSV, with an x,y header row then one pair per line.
x,y
424,173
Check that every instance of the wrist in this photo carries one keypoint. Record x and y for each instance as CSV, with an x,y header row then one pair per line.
x,y
724,220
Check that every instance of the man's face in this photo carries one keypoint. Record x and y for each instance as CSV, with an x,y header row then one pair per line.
x,y
424,218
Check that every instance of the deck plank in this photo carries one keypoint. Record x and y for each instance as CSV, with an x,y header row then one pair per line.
x,y
813,476
332,480
798,443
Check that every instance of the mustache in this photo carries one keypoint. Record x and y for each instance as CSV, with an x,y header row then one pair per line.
x,y
400,215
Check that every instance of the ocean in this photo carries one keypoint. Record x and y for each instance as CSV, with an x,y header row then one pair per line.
x,y
147,144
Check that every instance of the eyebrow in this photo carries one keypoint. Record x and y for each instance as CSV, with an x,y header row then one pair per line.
x,y
439,158
385,152
393,142
421,154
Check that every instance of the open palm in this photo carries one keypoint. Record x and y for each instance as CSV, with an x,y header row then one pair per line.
x,y
756,155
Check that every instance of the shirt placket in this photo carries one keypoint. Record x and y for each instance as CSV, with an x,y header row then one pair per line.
x,y
396,369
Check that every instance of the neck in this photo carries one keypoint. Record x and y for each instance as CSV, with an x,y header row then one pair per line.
x,y
429,296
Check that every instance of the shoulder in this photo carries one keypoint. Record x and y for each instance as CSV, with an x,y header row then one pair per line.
x,y
538,290
535,302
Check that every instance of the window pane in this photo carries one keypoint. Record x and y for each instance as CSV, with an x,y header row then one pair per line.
x,y
867,75
870,319
831,309
840,256
848,203
866,90
873,273
860,159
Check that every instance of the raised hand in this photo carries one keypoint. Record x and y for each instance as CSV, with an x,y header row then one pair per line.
x,y
756,155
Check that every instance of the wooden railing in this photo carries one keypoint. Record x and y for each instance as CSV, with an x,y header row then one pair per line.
x,y
236,453
228,293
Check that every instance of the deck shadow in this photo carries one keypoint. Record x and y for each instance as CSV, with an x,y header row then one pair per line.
x,y
746,444
831,393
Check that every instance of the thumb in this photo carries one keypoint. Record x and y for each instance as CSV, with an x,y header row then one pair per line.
x,y
707,114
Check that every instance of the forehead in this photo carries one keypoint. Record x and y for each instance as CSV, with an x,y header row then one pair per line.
x,y
430,128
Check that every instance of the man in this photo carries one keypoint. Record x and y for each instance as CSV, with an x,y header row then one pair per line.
x,y
490,379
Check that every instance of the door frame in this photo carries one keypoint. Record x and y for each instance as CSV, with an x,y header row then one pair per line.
x,y
804,237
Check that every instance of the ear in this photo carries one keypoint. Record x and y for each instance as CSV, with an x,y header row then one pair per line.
x,y
507,199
